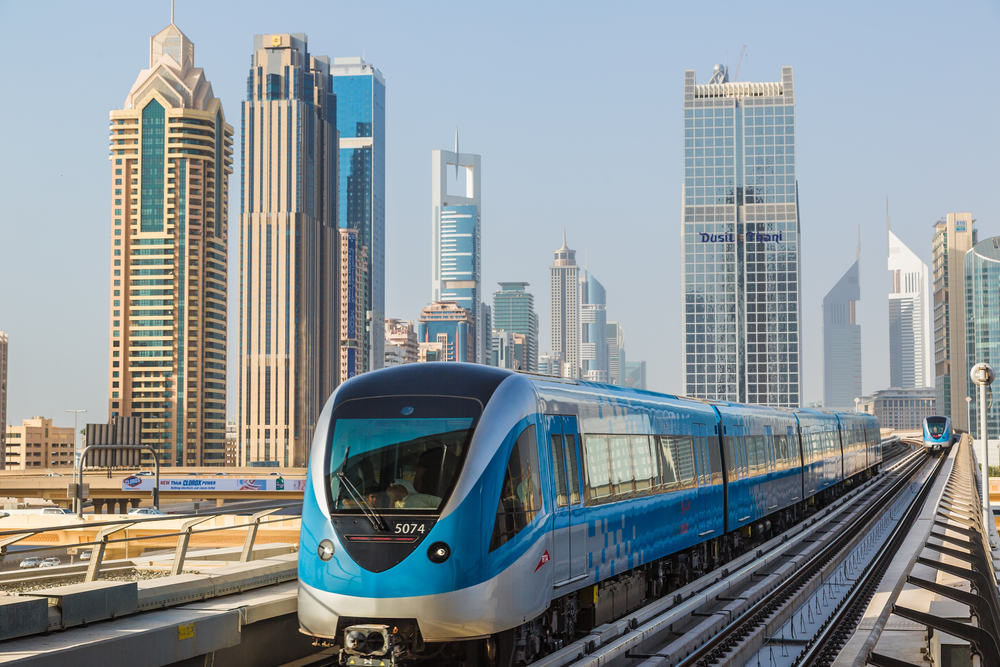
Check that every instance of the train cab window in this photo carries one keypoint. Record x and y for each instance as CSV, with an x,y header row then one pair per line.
x,y
564,463
520,495
621,464
595,449
643,462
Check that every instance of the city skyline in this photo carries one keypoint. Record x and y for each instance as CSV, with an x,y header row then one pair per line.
x,y
920,203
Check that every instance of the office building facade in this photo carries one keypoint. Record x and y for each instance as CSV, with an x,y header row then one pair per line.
x,y
289,252
447,330
902,409
982,322
616,353
38,445
514,311
3,398
564,294
635,374
551,365
456,237
171,156
353,269
911,356
360,91
593,329
954,236
842,342
503,350
740,235
400,335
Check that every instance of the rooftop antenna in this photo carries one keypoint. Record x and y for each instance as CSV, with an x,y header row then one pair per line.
x,y
456,154
738,63
171,12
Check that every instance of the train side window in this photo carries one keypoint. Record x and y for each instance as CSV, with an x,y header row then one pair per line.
x,y
643,463
685,461
621,463
730,456
574,469
670,479
751,454
521,494
559,470
714,460
598,468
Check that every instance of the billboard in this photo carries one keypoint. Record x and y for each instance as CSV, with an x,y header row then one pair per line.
x,y
226,484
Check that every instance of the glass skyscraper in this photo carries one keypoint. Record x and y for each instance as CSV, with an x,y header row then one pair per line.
x,y
593,328
740,232
982,326
360,90
911,358
514,311
842,342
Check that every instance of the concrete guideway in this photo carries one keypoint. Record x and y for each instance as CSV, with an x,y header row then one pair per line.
x,y
240,614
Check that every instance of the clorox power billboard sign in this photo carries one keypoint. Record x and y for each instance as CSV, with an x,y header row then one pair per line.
x,y
136,483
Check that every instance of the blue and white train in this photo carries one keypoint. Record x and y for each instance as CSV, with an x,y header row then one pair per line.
x,y
937,433
483,517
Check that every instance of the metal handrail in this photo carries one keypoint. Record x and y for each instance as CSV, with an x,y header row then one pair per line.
x,y
78,472
108,528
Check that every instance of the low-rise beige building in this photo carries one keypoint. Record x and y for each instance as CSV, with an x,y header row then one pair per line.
x,y
37,445
401,335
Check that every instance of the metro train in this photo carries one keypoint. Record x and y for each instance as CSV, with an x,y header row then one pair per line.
x,y
937,433
479,516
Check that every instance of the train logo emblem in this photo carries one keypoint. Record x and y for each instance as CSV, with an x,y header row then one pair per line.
x,y
545,559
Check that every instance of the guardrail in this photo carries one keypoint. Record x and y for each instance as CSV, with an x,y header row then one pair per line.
x,y
109,528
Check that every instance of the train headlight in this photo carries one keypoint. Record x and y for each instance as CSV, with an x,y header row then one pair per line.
x,y
354,641
325,550
438,552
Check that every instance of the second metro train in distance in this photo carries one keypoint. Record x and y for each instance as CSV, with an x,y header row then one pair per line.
x,y
937,433
479,516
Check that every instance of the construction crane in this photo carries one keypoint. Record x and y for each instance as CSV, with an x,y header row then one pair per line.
x,y
739,62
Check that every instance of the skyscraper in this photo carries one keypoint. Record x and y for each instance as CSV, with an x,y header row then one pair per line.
x,y
593,329
3,399
360,90
911,358
447,329
400,336
616,353
982,321
171,155
842,341
514,311
353,267
456,268
564,278
289,251
741,241
954,235
635,374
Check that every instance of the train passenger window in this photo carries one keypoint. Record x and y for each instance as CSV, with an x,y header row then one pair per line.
x,y
730,455
598,468
521,494
574,470
559,470
752,462
761,447
670,479
684,458
714,461
643,462
781,451
621,463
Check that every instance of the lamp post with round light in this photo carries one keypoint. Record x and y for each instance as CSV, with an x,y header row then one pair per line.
x,y
857,403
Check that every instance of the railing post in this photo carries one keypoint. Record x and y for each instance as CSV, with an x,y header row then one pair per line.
x,y
97,553
252,527
182,542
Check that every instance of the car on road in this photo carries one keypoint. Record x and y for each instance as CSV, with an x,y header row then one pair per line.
x,y
145,473
56,510
144,510
30,562
85,555
50,562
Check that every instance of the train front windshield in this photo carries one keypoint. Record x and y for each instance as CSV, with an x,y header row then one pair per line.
x,y
936,427
398,453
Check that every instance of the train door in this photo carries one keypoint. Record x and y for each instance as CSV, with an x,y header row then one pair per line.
x,y
567,539
703,472
743,494
795,461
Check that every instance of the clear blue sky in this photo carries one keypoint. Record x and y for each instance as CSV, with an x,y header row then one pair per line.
x,y
576,110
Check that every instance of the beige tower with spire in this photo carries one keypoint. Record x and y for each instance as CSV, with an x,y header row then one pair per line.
x,y
171,155
564,279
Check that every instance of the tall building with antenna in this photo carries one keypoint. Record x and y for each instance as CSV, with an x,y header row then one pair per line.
x,y
911,355
456,273
171,156
842,340
564,293
740,233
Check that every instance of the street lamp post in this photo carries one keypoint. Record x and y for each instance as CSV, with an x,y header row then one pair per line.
x,y
76,448
857,402
968,413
